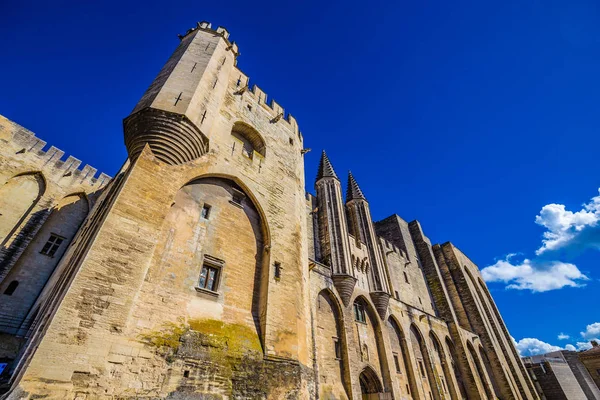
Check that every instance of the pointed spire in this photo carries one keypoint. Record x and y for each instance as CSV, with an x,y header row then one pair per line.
x,y
353,192
325,168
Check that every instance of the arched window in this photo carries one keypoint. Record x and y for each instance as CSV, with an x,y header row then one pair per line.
x,y
11,288
248,139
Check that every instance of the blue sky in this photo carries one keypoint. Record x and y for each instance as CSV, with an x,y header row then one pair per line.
x,y
472,117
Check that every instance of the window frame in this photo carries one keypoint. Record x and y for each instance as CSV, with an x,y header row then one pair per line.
x,y
360,314
51,247
215,264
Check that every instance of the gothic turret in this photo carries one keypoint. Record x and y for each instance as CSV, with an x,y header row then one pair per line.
x,y
333,229
361,226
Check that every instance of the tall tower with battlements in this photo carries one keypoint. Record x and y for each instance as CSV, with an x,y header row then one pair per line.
x,y
192,263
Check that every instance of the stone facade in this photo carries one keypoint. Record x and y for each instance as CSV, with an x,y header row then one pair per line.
x,y
591,359
204,271
560,375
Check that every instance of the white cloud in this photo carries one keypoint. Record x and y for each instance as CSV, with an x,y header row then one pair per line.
x,y
532,347
534,276
562,336
591,331
586,345
570,347
566,227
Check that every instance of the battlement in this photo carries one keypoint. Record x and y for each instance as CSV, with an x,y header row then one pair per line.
x,y
27,142
272,107
276,111
220,31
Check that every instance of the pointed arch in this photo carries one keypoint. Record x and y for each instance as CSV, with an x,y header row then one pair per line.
x,y
479,369
18,197
217,258
45,251
448,382
373,328
398,333
454,366
369,381
331,345
266,231
426,369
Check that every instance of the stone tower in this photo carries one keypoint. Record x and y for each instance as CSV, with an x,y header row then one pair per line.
x,y
363,230
192,265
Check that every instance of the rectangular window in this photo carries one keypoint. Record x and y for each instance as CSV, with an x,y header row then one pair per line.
x,y
277,271
406,278
237,196
52,245
397,363
397,295
337,348
205,211
210,275
422,368
208,278
359,313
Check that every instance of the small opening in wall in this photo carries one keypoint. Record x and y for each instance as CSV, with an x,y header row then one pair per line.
x,y
407,389
237,196
186,374
397,295
337,348
277,271
406,278
291,141
420,302
397,363
205,211
421,368
11,288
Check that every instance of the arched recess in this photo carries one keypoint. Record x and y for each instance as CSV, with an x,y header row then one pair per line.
x,y
331,346
426,370
214,242
249,139
41,257
440,358
480,370
511,348
369,340
400,347
370,384
495,374
18,196
454,366
490,372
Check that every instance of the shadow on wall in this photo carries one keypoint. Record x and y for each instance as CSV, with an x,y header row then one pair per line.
x,y
31,258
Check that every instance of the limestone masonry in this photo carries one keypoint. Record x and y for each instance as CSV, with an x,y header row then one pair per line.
x,y
204,271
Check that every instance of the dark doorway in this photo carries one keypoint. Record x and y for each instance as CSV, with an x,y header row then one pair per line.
x,y
370,385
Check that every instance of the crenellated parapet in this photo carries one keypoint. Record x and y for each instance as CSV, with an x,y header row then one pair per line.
x,y
275,110
30,146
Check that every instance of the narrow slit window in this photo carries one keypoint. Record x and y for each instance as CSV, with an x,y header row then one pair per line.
x,y
397,295
52,245
406,278
337,348
205,211
397,363
11,288
277,271
422,368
